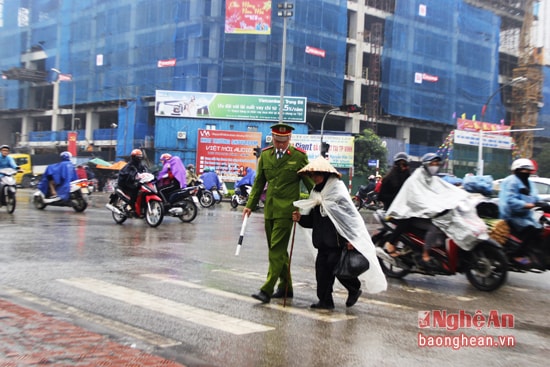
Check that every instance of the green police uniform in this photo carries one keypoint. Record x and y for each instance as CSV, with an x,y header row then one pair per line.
x,y
282,190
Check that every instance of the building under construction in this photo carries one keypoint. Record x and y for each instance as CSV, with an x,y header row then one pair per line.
x,y
414,67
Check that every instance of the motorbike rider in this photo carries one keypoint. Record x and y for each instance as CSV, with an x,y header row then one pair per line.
x,y
211,180
422,197
517,196
249,175
172,176
127,180
192,178
56,180
391,184
6,161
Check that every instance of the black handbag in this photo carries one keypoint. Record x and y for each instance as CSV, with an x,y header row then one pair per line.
x,y
351,264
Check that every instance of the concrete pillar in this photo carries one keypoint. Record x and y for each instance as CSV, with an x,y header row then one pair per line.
x,y
404,133
26,127
92,123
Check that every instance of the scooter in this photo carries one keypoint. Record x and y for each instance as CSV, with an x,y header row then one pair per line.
x,y
485,265
9,189
77,199
205,196
240,197
148,204
182,203
364,199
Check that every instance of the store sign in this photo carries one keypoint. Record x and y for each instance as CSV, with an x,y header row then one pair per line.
x,y
489,140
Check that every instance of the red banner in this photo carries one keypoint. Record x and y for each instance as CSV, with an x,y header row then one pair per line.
x,y
471,125
315,51
248,16
166,63
71,142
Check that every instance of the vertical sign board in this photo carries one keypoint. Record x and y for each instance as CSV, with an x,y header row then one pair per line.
x,y
226,152
341,149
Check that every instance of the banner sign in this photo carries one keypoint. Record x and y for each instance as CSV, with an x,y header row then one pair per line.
x,y
229,106
248,16
71,142
500,141
166,63
471,125
315,51
340,153
226,152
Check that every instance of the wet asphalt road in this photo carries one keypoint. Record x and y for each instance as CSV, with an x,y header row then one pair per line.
x,y
179,291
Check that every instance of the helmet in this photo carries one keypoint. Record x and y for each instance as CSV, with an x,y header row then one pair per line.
x,y
5,146
371,177
401,156
136,155
429,158
165,157
523,163
66,156
190,166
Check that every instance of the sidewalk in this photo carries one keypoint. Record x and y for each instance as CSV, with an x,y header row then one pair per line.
x,y
30,338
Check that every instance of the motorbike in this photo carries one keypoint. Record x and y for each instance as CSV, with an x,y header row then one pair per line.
x,y
77,199
368,200
9,189
485,265
513,245
205,196
240,197
181,203
148,203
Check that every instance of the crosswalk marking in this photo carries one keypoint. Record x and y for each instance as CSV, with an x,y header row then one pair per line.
x,y
185,312
321,316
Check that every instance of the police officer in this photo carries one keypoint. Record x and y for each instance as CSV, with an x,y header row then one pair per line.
x,y
278,166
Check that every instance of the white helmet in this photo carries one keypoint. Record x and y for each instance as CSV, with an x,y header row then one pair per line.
x,y
523,163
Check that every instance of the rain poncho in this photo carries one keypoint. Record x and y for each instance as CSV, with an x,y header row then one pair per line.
x,y
175,165
450,208
336,203
62,174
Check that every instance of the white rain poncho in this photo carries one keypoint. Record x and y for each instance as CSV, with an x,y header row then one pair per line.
x,y
337,205
426,196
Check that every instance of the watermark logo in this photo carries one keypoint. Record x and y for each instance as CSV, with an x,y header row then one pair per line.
x,y
441,319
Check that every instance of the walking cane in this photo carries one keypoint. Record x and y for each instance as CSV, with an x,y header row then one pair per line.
x,y
289,260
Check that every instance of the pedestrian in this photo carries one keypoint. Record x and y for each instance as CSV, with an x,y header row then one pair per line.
x,y
81,172
278,166
330,213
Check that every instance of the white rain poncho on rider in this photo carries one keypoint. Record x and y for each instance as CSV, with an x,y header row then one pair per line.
x,y
336,203
450,208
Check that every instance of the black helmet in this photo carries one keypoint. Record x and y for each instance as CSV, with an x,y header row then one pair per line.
x,y
401,156
429,158
5,146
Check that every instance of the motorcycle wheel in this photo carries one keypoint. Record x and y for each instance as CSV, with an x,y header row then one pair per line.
x,y
79,204
39,203
389,269
119,218
356,202
10,203
154,214
488,267
234,202
207,199
190,211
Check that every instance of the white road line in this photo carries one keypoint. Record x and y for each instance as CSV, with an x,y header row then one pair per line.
x,y
119,327
320,315
184,312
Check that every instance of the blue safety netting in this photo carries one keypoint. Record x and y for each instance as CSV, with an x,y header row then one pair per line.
x,y
544,112
111,49
440,61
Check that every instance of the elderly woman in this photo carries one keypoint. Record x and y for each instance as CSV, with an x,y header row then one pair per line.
x,y
335,223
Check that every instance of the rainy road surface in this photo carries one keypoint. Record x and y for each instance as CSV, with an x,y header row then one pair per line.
x,y
178,291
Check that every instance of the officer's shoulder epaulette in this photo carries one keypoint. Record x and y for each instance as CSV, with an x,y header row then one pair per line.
x,y
267,148
300,150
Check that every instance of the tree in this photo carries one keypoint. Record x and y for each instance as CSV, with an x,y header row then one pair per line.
x,y
369,146
543,161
